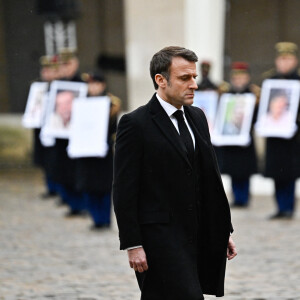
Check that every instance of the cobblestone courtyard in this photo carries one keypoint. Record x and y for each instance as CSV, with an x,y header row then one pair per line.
x,y
46,256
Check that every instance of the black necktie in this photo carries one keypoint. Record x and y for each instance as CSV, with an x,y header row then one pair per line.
x,y
185,134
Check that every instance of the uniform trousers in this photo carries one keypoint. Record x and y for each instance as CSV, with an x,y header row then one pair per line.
x,y
285,195
240,190
99,207
73,198
51,185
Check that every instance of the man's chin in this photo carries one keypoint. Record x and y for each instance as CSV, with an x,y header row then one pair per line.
x,y
189,101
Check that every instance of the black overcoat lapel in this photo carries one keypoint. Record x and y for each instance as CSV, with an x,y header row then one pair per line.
x,y
196,127
162,120
204,142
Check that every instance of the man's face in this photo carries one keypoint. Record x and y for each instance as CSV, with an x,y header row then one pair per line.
x,y
204,70
64,106
179,90
278,106
286,63
238,115
96,88
48,73
240,81
72,67
69,68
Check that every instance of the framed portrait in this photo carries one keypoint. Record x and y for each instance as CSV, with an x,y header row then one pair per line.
x,y
59,108
234,119
208,102
89,127
36,105
278,108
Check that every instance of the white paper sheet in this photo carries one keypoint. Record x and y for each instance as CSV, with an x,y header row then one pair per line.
x,y
36,105
89,127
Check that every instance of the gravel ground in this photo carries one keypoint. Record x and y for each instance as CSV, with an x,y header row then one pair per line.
x,y
44,255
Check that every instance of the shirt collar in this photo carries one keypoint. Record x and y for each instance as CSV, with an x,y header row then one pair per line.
x,y
169,108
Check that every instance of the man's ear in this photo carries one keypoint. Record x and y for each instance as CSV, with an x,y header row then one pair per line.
x,y
160,80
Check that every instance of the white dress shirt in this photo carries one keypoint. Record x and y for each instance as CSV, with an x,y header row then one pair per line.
x,y
170,109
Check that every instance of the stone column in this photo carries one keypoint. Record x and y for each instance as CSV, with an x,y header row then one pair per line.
x,y
4,103
152,25
205,31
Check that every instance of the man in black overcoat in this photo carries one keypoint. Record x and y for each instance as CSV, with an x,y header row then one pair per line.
x,y
171,208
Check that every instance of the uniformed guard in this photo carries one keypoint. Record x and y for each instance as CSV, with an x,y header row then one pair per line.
x,y
42,154
94,174
240,162
64,167
282,161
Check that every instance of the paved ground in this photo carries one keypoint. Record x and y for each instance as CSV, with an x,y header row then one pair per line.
x,y
45,256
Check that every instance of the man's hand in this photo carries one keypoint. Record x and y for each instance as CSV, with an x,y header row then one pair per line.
x,y
137,259
231,249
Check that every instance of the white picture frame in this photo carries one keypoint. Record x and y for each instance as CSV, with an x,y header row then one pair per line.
x,y
89,127
33,116
59,109
234,120
278,108
208,102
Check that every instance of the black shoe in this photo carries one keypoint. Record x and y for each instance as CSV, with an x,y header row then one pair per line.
x,y
60,202
99,227
48,195
239,205
75,213
282,215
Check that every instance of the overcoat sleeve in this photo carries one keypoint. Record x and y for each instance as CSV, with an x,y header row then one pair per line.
x,y
127,169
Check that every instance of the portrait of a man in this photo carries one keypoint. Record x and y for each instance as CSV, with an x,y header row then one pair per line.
x,y
59,109
60,118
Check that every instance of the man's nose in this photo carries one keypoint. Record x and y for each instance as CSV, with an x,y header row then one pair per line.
x,y
194,85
